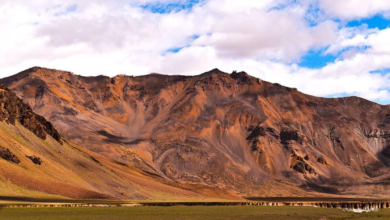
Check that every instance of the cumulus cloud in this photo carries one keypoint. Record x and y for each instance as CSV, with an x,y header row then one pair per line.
x,y
265,38
351,9
278,34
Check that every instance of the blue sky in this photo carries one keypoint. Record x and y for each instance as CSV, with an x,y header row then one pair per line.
x,y
317,58
375,21
170,7
322,47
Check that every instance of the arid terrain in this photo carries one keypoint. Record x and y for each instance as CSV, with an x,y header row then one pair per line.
x,y
211,136
37,162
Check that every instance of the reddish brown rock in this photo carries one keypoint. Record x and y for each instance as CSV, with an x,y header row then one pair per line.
x,y
36,160
288,134
12,110
321,160
6,154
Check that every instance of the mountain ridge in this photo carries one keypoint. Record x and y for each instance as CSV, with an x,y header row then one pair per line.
x,y
22,74
230,131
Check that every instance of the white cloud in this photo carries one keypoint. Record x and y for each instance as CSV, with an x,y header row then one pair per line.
x,y
278,34
352,9
351,37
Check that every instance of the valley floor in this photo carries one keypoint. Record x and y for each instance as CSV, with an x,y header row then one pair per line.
x,y
186,213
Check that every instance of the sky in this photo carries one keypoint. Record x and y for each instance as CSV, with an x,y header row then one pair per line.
x,y
324,48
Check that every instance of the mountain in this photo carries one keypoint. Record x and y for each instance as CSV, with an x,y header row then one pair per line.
x,y
223,131
36,161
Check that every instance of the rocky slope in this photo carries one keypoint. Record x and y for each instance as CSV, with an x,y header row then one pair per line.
x,y
12,110
226,131
35,161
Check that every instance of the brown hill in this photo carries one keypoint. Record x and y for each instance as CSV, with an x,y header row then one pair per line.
x,y
230,131
35,161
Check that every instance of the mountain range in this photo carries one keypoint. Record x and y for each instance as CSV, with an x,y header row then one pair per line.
x,y
211,136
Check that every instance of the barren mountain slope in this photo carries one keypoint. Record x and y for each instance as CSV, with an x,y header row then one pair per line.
x,y
36,162
231,131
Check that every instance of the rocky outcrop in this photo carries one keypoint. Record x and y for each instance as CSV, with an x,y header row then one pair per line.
x,y
376,133
288,134
36,160
321,160
301,164
261,131
302,167
7,155
12,110
335,137
242,78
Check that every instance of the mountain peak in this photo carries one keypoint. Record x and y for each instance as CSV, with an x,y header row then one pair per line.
x,y
214,71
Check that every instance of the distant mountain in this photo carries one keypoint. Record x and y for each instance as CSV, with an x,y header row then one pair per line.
x,y
223,131
35,161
